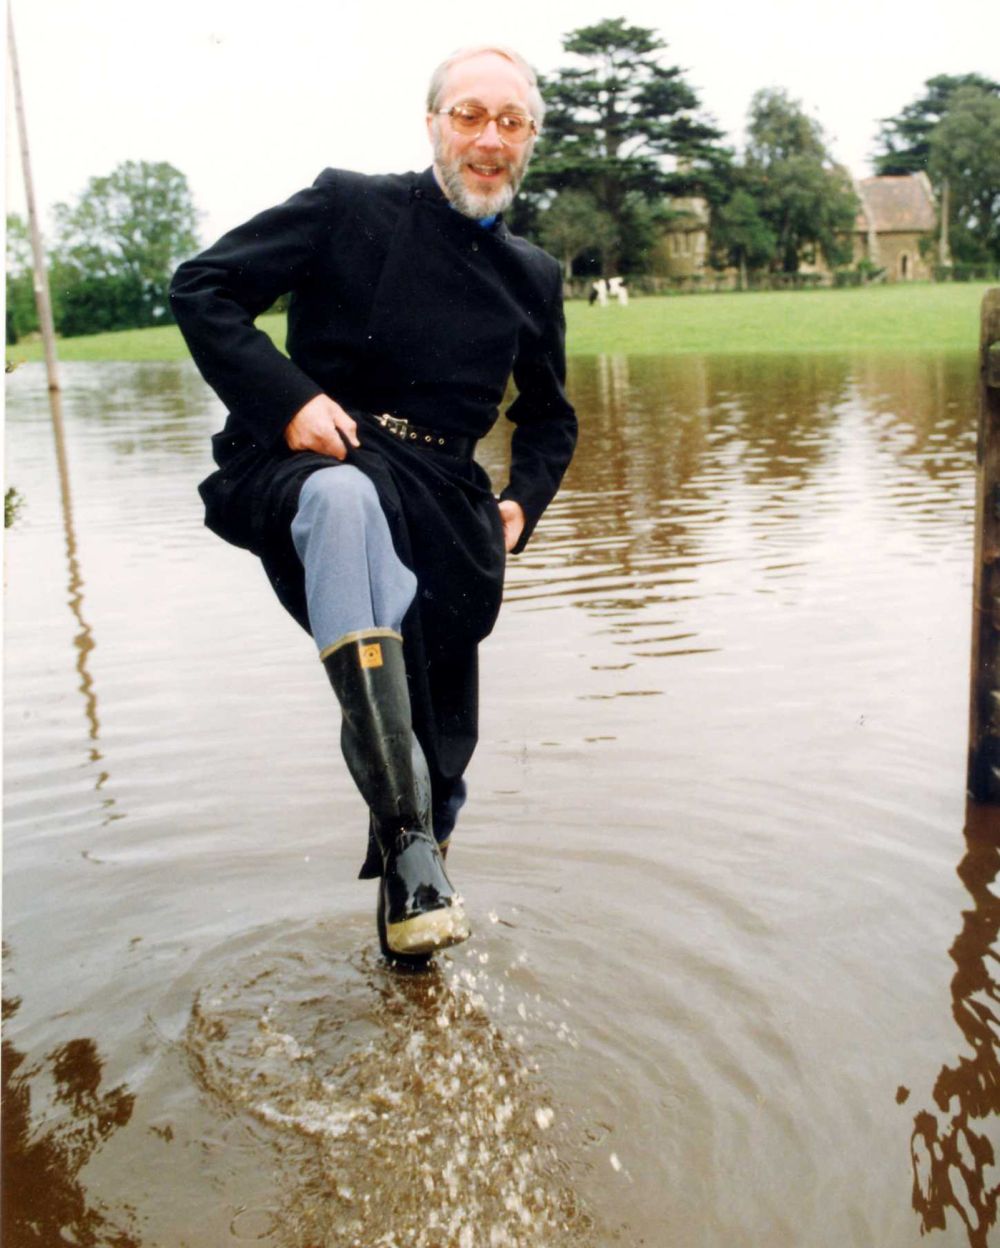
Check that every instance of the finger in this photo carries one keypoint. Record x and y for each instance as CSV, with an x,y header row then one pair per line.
x,y
348,427
332,445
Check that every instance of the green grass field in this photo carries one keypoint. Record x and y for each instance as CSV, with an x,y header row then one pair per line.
x,y
879,318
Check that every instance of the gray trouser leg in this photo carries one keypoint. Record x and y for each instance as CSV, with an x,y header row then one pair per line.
x,y
355,581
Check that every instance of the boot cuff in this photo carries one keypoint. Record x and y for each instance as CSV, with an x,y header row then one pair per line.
x,y
362,635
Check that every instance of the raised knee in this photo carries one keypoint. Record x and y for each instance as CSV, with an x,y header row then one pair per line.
x,y
340,489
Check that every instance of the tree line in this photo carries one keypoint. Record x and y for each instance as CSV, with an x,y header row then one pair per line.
x,y
625,139
113,254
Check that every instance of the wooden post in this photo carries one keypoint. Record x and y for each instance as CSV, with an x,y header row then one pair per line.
x,y
41,283
984,718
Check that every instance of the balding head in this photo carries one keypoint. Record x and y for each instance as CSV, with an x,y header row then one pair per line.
x,y
439,78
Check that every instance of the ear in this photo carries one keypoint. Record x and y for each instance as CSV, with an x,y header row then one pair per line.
x,y
431,119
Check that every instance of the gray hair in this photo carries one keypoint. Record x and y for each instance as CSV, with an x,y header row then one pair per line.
x,y
536,104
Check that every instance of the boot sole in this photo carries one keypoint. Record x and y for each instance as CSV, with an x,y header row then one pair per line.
x,y
424,933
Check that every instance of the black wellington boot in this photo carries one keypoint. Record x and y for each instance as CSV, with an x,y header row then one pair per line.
x,y
419,910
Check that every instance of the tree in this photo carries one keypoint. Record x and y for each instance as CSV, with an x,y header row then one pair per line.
x,y
573,224
118,245
906,138
22,313
742,235
965,155
85,304
957,110
611,122
802,196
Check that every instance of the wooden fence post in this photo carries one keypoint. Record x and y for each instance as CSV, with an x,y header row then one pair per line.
x,y
984,717
43,300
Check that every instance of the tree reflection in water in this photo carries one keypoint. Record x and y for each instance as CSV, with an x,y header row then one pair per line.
x,y
953,1160
43,1200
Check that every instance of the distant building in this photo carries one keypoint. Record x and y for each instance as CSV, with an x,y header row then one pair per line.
x,y
896,215
682,250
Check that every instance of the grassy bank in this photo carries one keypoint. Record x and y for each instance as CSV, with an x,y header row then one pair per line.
x,y
880,318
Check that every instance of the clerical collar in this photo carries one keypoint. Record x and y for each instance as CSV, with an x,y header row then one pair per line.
x,y
428,185
486,223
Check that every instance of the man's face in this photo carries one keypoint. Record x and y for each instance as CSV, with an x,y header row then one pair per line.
x,y
480,175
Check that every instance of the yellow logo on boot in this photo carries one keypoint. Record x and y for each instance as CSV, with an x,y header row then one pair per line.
x,y
371,655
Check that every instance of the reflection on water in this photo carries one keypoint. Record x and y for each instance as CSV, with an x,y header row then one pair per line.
x,y
43,1201
84,639
695,477
710,846
955,1162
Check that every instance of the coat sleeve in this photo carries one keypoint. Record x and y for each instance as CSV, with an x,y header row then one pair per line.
x,y
545,422
217,296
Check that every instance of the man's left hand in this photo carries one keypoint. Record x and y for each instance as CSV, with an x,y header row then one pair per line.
x,y
512,515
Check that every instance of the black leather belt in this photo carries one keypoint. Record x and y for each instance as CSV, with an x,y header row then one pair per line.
x,y
426,439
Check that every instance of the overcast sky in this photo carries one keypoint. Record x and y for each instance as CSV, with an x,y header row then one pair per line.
x,y
251,100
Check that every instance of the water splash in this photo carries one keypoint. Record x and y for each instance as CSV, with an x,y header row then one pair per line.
x,y
396,1108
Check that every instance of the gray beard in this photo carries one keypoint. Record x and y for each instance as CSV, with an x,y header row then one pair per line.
x,y
471,203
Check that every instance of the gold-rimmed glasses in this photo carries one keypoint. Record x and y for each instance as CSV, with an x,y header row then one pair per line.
x,y
470,120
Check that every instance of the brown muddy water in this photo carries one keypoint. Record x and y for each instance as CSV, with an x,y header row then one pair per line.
x,y
733,979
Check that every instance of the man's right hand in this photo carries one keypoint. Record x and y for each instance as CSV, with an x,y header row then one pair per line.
x,y
323,426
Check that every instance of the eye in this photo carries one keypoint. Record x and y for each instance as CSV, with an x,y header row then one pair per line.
x,y
468,115
513,124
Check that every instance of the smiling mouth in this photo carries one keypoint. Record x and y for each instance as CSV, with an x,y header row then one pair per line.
x,y
487,171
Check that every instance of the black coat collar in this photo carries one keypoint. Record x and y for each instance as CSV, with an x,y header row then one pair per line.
x,y
425,187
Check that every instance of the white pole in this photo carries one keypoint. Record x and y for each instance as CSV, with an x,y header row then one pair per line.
x,y
42,301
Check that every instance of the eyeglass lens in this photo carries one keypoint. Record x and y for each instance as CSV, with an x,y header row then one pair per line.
x,y
471,119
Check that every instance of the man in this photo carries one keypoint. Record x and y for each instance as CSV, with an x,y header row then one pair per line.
x,y
348,465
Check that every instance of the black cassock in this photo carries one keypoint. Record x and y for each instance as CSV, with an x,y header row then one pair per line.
x,y
399,305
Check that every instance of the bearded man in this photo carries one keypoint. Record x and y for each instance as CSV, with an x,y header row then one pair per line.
x,y
347,466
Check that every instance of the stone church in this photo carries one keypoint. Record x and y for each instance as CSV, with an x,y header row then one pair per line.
x,y
894,216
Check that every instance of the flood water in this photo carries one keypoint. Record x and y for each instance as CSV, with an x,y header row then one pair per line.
x,y
733,979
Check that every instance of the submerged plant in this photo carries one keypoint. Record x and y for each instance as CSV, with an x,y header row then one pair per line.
x,y
13,501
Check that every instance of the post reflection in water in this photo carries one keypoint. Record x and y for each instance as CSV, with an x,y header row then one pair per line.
x,y
955,1166
83,641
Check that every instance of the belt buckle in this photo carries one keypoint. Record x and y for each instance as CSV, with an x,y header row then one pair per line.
x,y
394,424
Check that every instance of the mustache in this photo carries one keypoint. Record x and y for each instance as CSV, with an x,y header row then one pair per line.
x,y
494,162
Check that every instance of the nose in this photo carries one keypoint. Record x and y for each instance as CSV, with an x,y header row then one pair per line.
x,y
490,137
